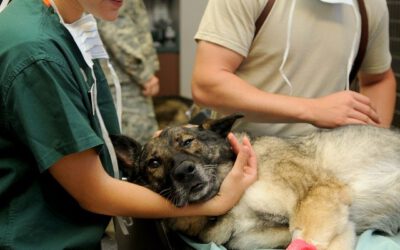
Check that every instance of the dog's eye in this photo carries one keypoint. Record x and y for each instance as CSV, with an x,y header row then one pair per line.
x,y
186,142
153,163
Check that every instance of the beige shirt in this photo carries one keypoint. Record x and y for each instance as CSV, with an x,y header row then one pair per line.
x,y
321,41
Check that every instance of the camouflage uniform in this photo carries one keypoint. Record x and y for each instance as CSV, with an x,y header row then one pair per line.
x,y
130,46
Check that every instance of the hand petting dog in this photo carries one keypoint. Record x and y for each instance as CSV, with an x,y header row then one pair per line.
x,y
242,175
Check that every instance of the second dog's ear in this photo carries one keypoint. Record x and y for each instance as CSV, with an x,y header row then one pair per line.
x,y
128,153
221,126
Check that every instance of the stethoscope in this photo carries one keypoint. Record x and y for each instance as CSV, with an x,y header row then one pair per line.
x,y
288,40
86,37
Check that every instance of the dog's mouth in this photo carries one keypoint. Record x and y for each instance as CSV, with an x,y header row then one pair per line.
x,y
197,187
197,191
202,193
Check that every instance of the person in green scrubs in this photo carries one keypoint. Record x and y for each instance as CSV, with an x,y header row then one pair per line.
x,y
56,185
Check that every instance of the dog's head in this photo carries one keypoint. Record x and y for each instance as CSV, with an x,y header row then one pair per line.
x,y
186,164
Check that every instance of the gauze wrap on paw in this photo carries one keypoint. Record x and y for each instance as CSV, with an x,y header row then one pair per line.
x,y
299,244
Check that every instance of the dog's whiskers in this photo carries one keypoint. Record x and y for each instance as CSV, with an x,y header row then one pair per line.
x,y
169,195
166,192
211,170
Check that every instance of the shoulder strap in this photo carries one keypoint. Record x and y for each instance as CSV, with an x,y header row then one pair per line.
x,y
363,41
264,14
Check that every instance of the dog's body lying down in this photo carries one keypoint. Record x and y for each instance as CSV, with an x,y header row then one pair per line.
x,y
322,188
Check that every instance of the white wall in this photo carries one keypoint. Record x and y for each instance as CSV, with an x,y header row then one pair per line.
x,y
191,12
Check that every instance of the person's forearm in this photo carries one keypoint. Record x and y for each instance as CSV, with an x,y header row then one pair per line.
x,y
133,200
119,198
227,93
216,85
82,176
383,96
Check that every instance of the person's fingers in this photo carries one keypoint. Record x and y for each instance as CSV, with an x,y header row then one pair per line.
x,y
155,86
241,161
360,97
151,87
236,147
368,111
147,92
147,88
241,176
364,105
355,121
151,84
234,143
246,141
245,167
365,114
190,125
252,161
157,133
360,118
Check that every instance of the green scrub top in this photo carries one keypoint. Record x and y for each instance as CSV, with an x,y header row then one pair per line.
x,y
45,114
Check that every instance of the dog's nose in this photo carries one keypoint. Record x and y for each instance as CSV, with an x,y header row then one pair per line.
x,y
184,171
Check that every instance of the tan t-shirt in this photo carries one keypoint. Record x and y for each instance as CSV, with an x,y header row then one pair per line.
x,y
321,41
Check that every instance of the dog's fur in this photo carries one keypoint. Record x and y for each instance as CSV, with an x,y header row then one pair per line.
x,y
173,110
323,187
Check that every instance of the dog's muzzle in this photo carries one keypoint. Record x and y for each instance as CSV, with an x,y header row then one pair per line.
x,y
189,183
187,175
184,172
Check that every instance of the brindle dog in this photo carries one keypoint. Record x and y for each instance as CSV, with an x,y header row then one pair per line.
x,y
324,187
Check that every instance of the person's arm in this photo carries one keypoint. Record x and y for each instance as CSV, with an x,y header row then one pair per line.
x,y
215,85
381,89
83,176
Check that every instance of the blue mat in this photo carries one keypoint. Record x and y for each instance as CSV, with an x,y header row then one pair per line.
x,y
366,241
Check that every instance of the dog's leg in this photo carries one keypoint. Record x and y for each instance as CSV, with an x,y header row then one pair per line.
x,y
272,237
323,215
345,240
219,231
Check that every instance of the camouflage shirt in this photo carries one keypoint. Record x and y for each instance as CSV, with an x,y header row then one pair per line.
x,y
129,43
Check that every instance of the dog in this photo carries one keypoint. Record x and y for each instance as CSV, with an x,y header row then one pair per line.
x,y
324,187
173,110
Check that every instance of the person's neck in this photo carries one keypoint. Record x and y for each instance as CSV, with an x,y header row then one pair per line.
x,y
70,10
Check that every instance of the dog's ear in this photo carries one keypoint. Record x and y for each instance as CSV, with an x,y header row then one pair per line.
x,y
128,152
221,126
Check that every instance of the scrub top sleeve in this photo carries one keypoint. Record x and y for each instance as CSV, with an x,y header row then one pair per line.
x,y
50,112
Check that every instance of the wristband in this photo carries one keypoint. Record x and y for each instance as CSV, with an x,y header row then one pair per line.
x,y
299,244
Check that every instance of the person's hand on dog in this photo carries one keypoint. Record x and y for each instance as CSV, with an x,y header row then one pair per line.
x,y
242,175
345,107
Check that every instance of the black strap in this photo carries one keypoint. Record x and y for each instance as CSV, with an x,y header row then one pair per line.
x,y
363,39
264,14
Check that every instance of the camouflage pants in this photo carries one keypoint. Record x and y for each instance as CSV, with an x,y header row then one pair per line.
x,y
138,118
